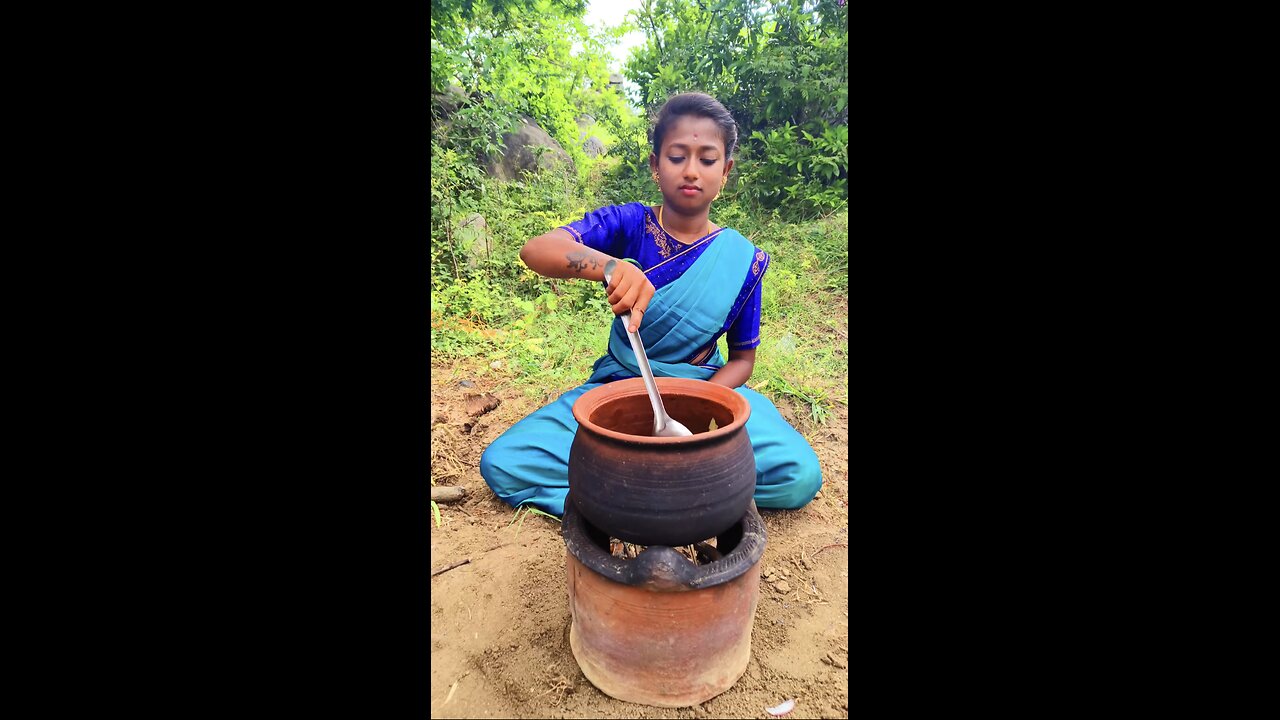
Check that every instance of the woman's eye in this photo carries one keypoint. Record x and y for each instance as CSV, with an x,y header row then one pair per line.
x,y
676,159
708,163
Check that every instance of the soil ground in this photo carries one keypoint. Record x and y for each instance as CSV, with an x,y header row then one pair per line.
x,y
500,623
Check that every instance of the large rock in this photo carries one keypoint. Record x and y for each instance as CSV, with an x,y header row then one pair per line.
x,y
593,147
473,236
447,103
443,107
521,152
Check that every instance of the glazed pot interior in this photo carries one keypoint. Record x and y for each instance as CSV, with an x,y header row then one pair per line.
x,y
633,414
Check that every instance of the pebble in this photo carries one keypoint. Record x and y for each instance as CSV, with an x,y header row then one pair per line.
x,y
782,587
496,364
466,384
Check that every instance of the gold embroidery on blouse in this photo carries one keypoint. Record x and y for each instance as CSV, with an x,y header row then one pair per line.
x,y
659,236
740,345
576,235
707,239
755,267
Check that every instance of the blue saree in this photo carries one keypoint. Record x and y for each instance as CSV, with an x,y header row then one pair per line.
x,y
717,276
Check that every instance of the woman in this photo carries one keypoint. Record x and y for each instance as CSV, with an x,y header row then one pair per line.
x,y
685,282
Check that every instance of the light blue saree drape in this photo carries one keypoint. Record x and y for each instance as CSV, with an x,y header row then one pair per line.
x,y
529,463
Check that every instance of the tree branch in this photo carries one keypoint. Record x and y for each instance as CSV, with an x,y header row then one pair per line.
x,y
447,569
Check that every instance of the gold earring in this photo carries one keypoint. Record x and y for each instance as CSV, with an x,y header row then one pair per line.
x,y
655,176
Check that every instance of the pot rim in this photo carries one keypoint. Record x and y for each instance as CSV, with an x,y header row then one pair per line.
x,y
595,397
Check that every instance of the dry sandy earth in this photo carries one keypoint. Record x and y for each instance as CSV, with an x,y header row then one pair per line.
x,y
500,624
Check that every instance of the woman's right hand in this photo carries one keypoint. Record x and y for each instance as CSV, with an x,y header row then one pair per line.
x,y
631,292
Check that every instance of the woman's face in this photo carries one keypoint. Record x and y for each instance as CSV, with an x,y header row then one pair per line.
x,y
691,164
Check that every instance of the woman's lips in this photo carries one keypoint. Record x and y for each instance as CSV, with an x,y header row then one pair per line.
x,y
687,190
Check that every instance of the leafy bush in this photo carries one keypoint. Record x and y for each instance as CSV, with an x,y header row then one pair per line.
x,y
789,167
514,58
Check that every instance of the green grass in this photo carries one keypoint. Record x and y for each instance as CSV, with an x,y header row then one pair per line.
x,y
518,518
543,351
803,355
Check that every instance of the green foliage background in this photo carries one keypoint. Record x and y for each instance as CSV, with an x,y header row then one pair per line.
x,y
781,68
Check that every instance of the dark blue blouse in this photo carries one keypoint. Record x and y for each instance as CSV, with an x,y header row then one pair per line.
x,y
632,231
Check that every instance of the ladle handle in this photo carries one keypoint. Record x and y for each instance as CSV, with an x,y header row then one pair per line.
x,y
646,373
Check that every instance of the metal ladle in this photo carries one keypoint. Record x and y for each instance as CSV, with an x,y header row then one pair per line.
x,y
663,424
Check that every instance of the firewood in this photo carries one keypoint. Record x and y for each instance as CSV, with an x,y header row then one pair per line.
x,y
447,494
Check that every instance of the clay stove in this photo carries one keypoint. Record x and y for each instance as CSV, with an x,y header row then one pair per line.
x,y
657,629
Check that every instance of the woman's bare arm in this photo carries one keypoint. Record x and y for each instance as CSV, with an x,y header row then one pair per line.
x,y
737,369
556,254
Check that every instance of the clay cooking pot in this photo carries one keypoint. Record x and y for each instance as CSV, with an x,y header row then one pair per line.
x,y
661,490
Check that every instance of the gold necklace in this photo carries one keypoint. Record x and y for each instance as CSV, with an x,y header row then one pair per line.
x,y
705,233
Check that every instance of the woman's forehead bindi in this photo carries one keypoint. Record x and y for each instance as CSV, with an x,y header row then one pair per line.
x,y
698,132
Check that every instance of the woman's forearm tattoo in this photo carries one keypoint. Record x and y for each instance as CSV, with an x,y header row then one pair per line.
x,y
578,260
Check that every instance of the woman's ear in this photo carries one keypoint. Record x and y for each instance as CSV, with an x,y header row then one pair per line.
x,y
653,162
728,166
